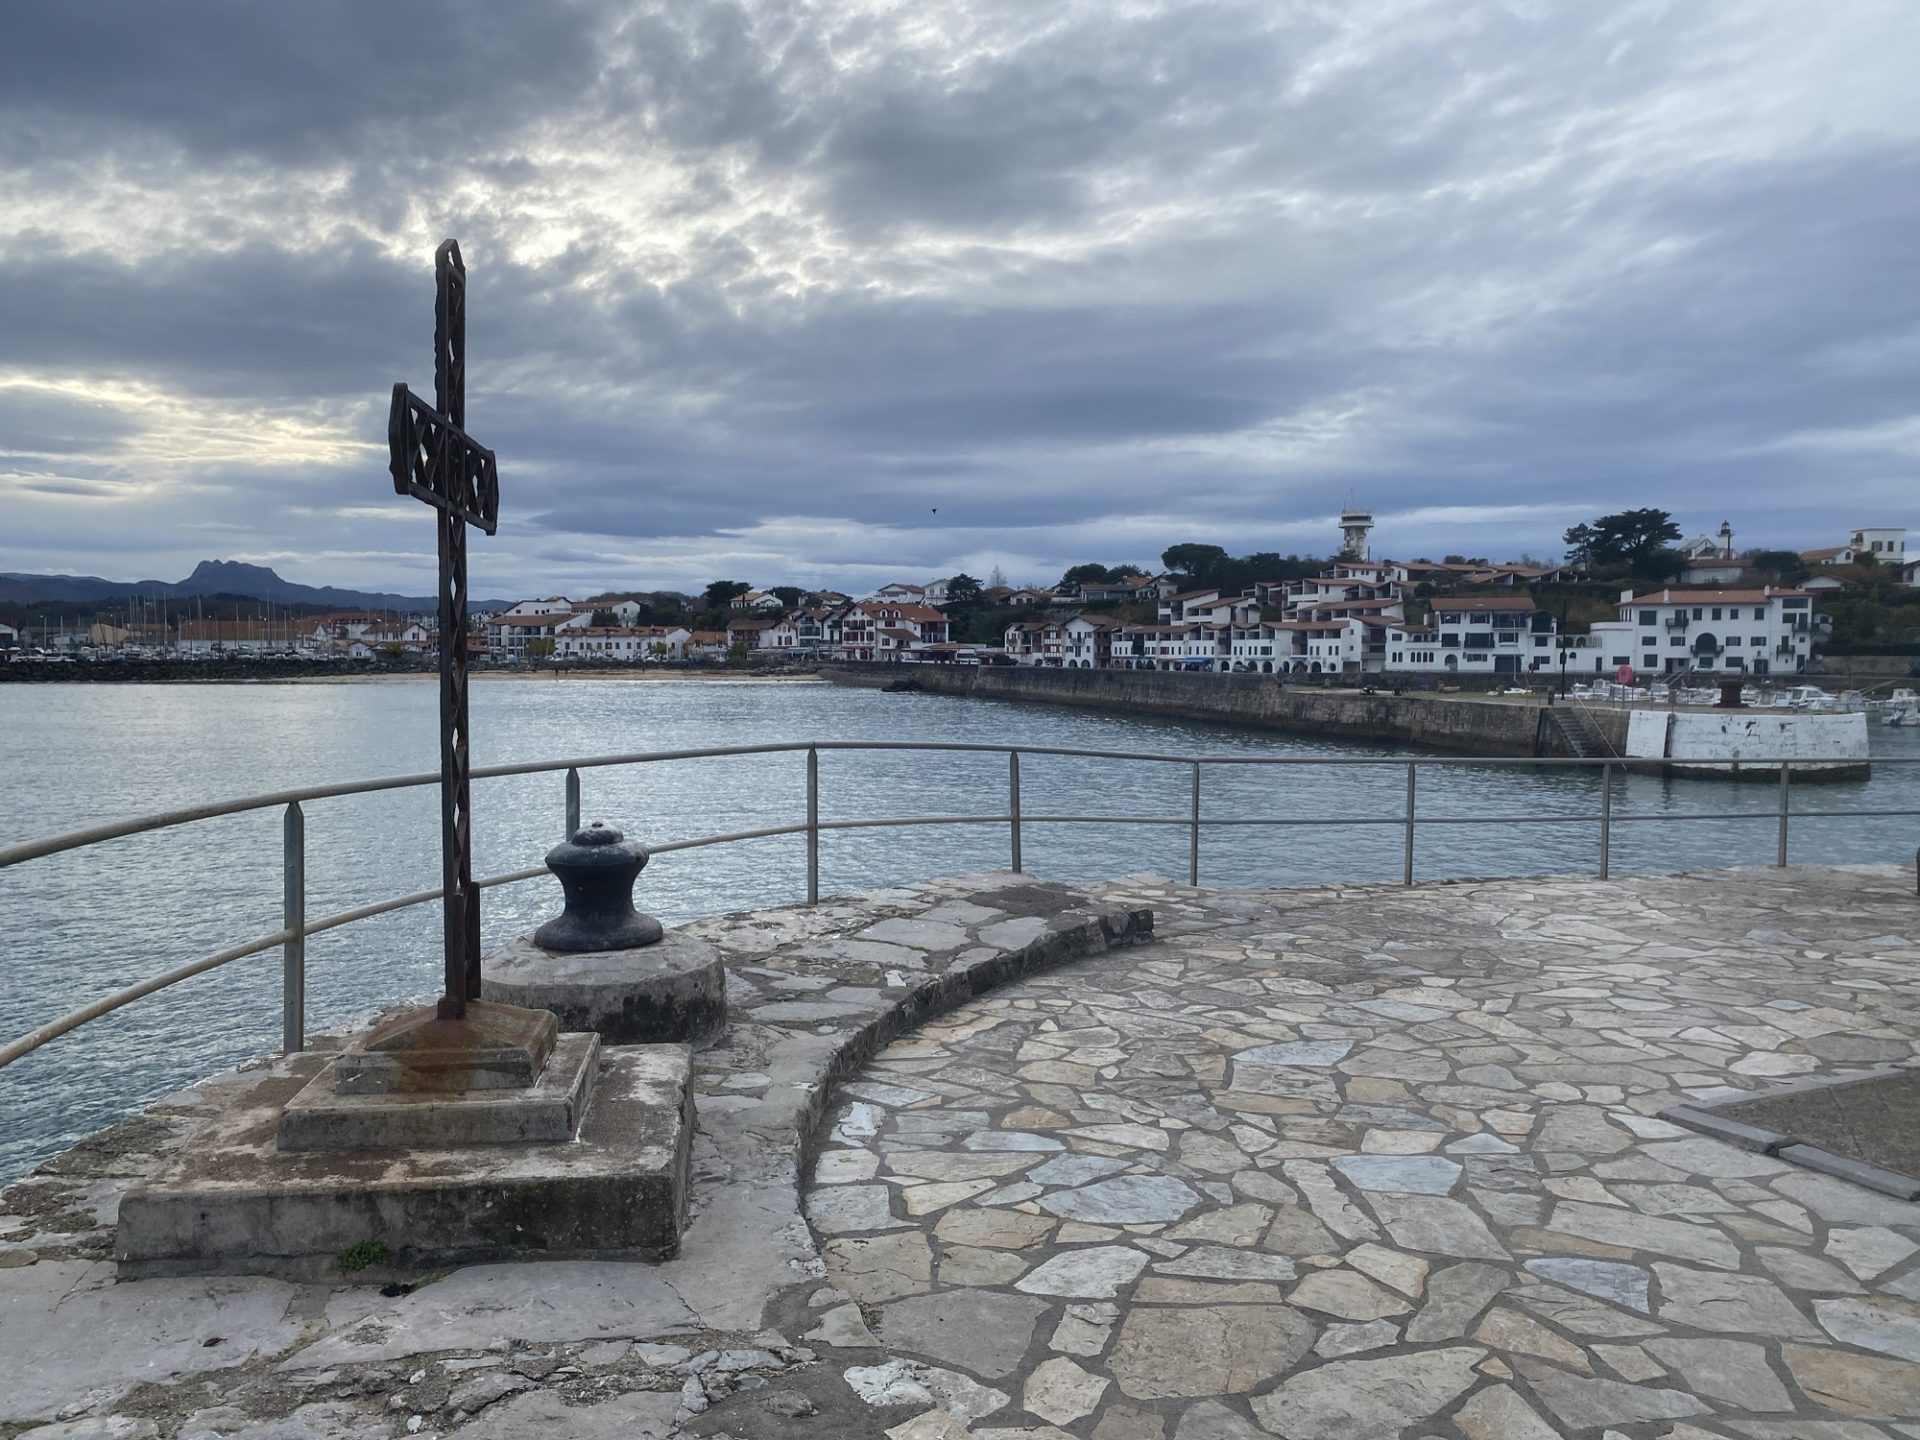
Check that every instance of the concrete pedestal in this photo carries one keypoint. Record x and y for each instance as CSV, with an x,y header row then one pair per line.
x,y
673,991
233,1201
548,1111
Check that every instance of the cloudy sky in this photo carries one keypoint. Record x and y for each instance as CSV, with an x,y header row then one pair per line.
x,y
837,291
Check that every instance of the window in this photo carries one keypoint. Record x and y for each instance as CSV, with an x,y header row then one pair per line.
x,y
1697,612
1677,642
1649,640
1716,612
1759,612
1649,617
1759,640
1649,661
1733,640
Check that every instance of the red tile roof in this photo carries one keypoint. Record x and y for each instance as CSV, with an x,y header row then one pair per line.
x,y
1713,597
1522,603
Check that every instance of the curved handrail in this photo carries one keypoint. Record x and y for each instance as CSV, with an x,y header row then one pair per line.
x,y
166,819
296,933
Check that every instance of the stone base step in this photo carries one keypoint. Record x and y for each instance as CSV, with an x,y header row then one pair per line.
x,y
233,1203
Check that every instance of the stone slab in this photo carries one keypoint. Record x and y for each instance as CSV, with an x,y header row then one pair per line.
x,y
1757,1138
656,994
490,1047
233,1202
546,1112
1845,1167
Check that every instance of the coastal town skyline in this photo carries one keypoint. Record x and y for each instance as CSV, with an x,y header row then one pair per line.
x,y
868,578
857,291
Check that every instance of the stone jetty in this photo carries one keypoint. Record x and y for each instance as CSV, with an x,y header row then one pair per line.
x,y
996,1157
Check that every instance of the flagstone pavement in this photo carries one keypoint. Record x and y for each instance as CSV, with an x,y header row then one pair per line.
x,y
1354,1163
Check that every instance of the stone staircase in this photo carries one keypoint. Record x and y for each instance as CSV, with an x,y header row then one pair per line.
x,y
1578,733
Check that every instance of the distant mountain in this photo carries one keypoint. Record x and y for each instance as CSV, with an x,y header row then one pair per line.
x,y
215,577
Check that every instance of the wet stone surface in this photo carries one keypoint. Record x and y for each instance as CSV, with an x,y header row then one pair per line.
x,y
1312,1164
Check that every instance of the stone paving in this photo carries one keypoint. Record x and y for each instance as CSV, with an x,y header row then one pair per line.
x,y
1363,1163
1322,1163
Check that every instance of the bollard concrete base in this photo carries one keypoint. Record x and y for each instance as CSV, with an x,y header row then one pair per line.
x,y
673,991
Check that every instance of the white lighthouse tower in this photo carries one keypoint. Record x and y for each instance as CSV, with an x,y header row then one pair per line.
x,y
1356,523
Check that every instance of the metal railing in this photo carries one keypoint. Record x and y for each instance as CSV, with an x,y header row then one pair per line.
x,y
297,927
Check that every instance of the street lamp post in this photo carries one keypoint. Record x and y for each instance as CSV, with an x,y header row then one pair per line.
x,y
1565,602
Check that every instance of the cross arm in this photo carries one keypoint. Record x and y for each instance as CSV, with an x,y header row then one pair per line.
x,y
434,459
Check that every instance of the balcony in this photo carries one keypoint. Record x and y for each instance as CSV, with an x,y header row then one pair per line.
x,y
1678,622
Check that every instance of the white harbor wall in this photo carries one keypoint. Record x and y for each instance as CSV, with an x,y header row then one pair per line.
x,y
1747,738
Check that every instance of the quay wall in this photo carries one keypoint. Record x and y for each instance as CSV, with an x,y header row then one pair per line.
x,y
1464,724
1746,741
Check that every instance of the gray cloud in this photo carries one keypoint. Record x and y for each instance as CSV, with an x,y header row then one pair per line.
x,y
762,286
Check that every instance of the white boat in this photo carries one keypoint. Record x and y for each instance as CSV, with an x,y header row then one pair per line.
x,y
1903,708
1810,697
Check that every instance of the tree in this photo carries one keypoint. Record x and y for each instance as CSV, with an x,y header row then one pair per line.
x,y
1090,573
720,594
1777,563
1196,562
1632,539
787,595
603,618
997,579
1665,562
963,589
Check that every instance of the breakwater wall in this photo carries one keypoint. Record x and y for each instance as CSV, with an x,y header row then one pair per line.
x,y
1461,723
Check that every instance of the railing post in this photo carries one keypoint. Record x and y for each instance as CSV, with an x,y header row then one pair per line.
x,y
1606,819
1193,832
1781,858
573,803
1406,859
1013,802
293,916
813,825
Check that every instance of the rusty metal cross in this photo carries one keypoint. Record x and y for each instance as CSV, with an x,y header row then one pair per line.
x,y
433,458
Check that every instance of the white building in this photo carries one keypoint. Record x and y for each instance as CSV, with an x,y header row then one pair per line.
x,y
509,632
1492,634
890,629
1087,641
1886,543
1710,559
1756,632
629,644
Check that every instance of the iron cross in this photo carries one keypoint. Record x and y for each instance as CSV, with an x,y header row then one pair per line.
x,y
434,458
